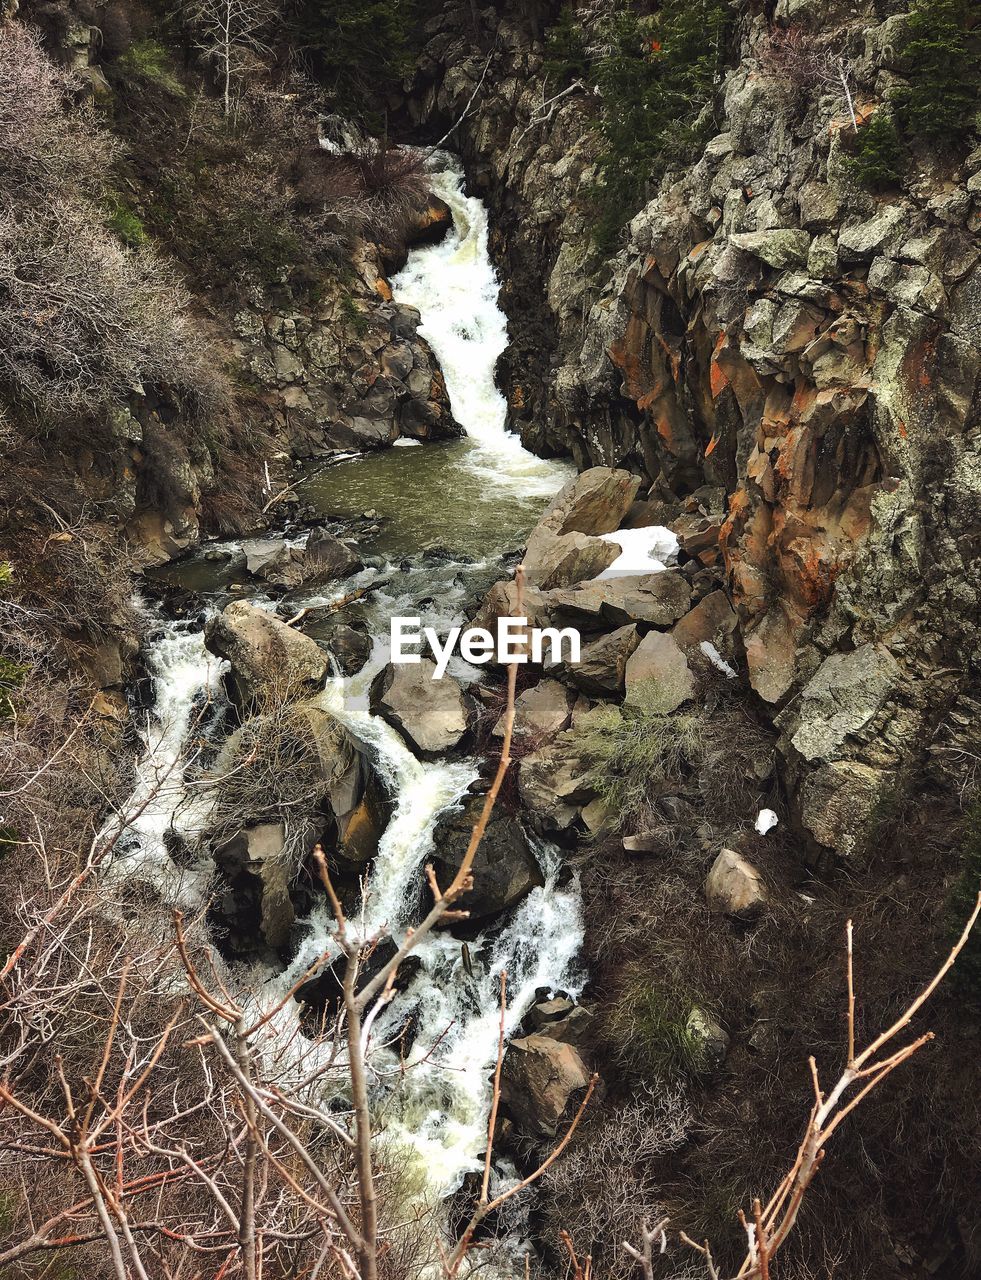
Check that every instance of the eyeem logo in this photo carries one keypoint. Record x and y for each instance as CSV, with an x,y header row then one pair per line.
x,y
515,642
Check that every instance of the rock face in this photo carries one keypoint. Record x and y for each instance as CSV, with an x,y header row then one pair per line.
x,y
774,334
505,869
539,1077
733,887
433,715
259,876
266,656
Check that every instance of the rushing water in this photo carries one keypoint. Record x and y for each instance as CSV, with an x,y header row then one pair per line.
x,y
477,497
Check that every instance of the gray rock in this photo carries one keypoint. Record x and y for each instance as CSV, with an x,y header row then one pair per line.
x,y
734,887
267,658
656,598
840,699
913,286
865,239
602,663
710,1040
658,661
541,711
777,248
539,1077
329,556
505,870
265,556
432,715
257,855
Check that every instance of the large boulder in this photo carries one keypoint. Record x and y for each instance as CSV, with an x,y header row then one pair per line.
x,y
659,660
563,547
267,658
541,711
432,715
505,870
734,887
602,663
655,598
539,1078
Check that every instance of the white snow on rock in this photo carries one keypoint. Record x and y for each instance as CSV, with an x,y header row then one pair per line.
x,y
716,659
766,820
641,550
403,442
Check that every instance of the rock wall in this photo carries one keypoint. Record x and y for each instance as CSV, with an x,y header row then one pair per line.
x,y
773,330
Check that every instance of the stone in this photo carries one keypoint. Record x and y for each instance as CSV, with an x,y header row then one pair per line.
x,y
659,659
363,827
912,286
330,556
733,887
709,1039
267,658
541,711
257,854
558,560
655,598
538,1079
865,239
595,501
342,764
554,783
432,715
602,664
349,647
839,700
777,248
505,869
819,205
838,803
265,556
711,620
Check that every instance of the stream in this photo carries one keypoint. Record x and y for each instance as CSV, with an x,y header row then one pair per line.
x,y
478,496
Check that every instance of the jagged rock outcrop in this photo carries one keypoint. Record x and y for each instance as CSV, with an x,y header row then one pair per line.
x,y
776,334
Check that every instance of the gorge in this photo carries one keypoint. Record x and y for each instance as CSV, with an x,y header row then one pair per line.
x,y
338,322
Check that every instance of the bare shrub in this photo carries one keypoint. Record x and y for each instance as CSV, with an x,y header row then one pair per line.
x,y
86,322
602,1190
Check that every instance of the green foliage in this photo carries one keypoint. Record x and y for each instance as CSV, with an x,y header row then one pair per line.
x,y
648,1026
360,47
149,59
566,55
632,751
354,316
967,970
876,162
655,74
126,224
942,67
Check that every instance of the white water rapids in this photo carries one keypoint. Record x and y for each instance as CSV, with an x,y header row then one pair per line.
x,y
438,1108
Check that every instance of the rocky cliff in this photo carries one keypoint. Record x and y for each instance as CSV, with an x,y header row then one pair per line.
x,y
775,331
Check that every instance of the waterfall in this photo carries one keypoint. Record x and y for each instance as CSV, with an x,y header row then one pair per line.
x,y
437,1109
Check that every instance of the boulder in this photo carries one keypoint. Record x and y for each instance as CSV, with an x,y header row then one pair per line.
x,y
267,658
264,557
363,826
538,1079
258,875
541,711
554,783
840,699
342,765
595,501
658,658
349,647
602,664
781,248
329,557
563,547
505,870
733,887
559,1018
710,621
432,715
839,801
655,598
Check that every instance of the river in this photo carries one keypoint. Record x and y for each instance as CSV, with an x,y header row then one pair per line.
x,y
477,496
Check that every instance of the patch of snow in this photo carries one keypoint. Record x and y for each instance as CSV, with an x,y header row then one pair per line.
x,y
716,659
766,820
648,550
403,442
